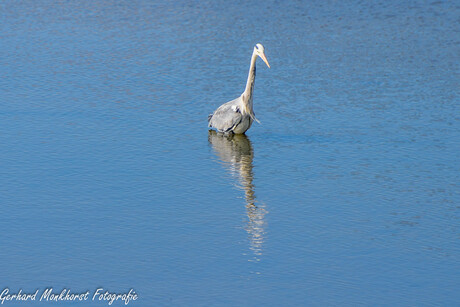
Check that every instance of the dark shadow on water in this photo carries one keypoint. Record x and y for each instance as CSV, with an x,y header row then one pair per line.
x,y
237,154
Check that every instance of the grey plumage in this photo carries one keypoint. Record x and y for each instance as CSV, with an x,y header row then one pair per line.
x,y
229,118
236,116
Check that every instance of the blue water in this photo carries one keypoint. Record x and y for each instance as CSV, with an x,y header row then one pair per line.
x,y
346,194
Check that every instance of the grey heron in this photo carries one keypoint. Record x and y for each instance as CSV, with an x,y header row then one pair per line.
x,y
236,116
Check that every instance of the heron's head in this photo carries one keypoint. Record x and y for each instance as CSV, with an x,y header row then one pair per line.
x,y
260,51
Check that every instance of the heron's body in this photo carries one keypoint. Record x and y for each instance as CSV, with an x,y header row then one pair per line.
x,y
231,117
236,116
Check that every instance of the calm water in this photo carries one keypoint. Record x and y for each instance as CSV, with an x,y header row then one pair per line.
x,y
346,194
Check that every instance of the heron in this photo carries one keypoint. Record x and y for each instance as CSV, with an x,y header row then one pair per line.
x,y
237,116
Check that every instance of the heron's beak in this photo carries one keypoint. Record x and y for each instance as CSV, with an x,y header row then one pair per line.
x,y
262,56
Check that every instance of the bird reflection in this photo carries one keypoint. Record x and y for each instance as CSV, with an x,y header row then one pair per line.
x,y
235,150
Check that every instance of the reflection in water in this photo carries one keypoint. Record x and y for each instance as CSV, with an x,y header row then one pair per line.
x,y
236,152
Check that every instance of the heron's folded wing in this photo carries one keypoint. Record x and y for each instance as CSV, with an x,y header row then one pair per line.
x,y
225,117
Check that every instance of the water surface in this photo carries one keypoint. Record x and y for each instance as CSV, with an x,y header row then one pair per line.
x,y
347,193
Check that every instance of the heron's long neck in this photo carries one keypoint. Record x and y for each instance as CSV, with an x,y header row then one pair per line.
x,y
247,94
